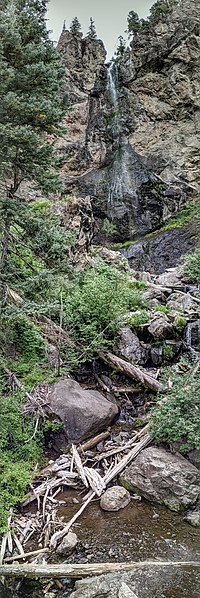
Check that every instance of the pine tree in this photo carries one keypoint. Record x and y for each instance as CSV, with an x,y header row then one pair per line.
x,y
75,26
121,47
30,107
92,34
133,22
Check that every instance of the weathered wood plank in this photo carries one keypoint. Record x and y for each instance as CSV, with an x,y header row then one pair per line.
x,y
77,571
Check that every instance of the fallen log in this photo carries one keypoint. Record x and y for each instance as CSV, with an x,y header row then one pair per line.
x,y
132,371
86,446
77,571
125,446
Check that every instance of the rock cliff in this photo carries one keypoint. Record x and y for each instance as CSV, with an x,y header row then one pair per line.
x,y
133,131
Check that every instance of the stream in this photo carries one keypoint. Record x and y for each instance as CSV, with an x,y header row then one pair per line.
x,y
140,531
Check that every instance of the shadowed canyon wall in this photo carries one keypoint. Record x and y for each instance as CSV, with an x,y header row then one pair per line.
x,y
133,131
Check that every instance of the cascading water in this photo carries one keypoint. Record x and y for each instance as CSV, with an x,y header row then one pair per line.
x,y
192,338
117,185
111,85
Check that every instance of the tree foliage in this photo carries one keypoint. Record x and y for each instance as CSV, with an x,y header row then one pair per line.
x,y
158,11
31,109
75,26
92,34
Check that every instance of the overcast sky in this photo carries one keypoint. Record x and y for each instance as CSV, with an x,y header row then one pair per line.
x,y
110,16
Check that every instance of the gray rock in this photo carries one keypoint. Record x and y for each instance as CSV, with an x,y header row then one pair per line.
x,y
162,250
164,478
182,302
84,413
170,278
68,544
160,327
157,355
193,518
106,586
130,346
115,498
148,582
125,592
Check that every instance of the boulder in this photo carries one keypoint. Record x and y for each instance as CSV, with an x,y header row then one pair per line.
x,y
193,518
160,327
83,413
182,302
170,278
117,585
193,515
130,346
115,498
157,355
113,258
163,478
68,544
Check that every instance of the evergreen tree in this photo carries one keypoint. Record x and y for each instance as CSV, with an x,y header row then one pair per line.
x,y
133,22
121,47
160,9
75,26
30,107
92,34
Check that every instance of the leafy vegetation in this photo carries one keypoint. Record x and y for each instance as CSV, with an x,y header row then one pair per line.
x,y
94,304
167,352
191,266
177,420
92,34
18,451
159,10
180,323
31,75
165,309
75,26
108,227
139,318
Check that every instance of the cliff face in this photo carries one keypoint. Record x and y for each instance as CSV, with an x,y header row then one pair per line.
x,y
165,95
133,133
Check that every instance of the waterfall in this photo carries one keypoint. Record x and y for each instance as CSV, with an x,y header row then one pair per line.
x,y
192,338
111,85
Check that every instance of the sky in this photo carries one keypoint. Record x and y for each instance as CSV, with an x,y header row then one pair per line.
x,y
110,17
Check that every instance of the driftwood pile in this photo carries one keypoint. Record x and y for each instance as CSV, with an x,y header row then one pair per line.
x,y
44,528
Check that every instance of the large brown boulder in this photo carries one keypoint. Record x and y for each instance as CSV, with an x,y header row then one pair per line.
x,y
163,478
83,413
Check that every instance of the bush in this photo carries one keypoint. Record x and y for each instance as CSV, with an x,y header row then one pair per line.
x,y
165,309
192,266
139,318
18,454
178,418
93,307
108,227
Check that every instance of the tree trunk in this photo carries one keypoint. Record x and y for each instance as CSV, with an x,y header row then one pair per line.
x,y
77,571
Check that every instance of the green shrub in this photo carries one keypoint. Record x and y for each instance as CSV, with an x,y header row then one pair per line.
x,y
191,266
108,227
180,323
139,318
27,339
18,454
167,352
93,306
178,418
165,309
